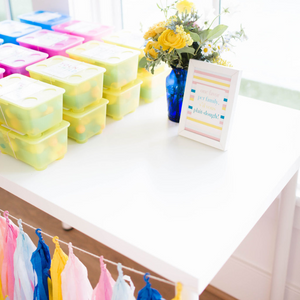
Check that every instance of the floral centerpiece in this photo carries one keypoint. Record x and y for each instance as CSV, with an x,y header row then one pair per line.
x,y
178,39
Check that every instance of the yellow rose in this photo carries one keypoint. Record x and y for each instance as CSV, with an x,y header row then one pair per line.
x,y
170,40
150,33
154,30
185,5
159,27
150,49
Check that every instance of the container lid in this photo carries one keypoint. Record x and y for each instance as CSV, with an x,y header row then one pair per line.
x,y
45,17
17,56
33,140
65,70
103,53
123,89
87,110
26,92
126,38
49,39
82,28
16,29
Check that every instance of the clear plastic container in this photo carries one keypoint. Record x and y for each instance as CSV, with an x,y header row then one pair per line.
x,y
1,72
53,43
14,59
10,31
123,101
37,152
154,85
89,31
45,19
82,82
28,105
127,39
131,40
121,64
90,122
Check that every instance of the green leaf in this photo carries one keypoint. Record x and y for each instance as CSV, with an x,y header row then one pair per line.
x,y
194,36
143,62
204,34
190,50
216,32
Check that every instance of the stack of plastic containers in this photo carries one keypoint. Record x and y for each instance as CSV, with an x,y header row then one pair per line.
x,y
14,59
31,125
10,31
50,42
121,86
44,19
83,83
89,31
154,85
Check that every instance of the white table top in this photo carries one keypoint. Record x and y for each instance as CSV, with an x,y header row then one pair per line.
x,y
174,205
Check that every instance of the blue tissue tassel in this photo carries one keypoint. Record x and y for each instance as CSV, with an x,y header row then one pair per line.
x,y
148,293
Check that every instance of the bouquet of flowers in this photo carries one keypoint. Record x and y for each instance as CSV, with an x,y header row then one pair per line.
x,y
179,38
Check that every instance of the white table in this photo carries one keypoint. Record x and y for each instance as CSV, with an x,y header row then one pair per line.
x,y
173,205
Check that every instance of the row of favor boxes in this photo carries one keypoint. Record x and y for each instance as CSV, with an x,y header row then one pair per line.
x,y
31,110
10,30
121,63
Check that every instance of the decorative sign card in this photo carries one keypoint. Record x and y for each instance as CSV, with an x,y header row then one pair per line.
x,y
209,101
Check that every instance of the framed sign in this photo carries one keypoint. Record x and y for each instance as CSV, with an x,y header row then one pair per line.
x,y
209,102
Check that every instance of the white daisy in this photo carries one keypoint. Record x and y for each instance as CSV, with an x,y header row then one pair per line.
x,y
210,44
206,50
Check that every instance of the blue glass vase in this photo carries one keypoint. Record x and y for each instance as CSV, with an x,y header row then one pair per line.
x,y
175,84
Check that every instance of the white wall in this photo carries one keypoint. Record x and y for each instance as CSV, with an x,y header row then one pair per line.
x,y
247,274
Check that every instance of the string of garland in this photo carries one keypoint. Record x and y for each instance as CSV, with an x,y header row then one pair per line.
x,y
96,256
121,287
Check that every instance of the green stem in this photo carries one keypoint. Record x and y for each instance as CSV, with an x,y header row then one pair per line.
x,y
217,40
197,49
214,20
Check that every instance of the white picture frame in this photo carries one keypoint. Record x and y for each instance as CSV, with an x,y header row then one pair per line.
x,y
209,103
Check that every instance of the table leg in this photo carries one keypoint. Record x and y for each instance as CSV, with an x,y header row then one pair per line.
x,y
188,294
283,240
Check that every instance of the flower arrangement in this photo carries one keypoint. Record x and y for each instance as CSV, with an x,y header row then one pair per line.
x,y
179,38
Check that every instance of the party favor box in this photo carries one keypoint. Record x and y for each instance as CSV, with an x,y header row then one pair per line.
x,y
89,31
154,85
14,59
38,152
11,30
127,39
82,82
121,63
44,19
28,105
91,121
1,72
131,40
123,101
50,42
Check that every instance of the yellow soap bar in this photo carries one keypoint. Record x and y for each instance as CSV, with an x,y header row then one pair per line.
x,y
121,63
82,82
